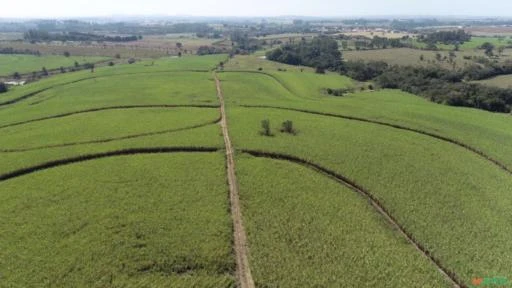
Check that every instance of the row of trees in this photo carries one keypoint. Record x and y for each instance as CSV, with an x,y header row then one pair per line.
x,y
3,87
10,50
42,35
446,37
322,52
437,84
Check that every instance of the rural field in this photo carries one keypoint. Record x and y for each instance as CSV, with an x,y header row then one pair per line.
x,y
10,64
237,171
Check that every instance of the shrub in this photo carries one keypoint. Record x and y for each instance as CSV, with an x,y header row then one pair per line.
x,y
287,127
3,87
67,54
260,69
131,60
320,70
111,63
265,125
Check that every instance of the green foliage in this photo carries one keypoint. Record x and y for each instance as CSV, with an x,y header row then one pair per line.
x,y
287,127
28,63
3,87
321,52
446,37
265,126
328,231
112,227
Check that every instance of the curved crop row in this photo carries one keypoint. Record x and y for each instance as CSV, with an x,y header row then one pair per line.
x,y
112,139
34,93
374,201
88,157
107,108
396,126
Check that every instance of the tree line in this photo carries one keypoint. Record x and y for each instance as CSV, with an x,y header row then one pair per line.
x,y
434,83
446,37
10,50
322,53
42,35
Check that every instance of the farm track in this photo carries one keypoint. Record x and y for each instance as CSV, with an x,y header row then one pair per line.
x,y
123,107
34,93
99,141
450,275
396,126
88,157
243,271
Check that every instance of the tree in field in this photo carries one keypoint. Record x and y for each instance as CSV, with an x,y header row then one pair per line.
x,y
3,87
77,64
45,72
265,125
67,54
489,48
439,57
16,75
62,70
221,65
500,50
179,45
422,58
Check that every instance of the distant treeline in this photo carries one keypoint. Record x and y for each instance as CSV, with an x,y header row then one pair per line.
x,y
208,50
446,37
42,35
10,50
322,53
435,83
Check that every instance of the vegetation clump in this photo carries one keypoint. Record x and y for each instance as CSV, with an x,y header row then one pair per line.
x,y
322,52
265,125
3,87
287,127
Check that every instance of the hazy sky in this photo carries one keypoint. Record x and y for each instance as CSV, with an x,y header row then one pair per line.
x,y
74,8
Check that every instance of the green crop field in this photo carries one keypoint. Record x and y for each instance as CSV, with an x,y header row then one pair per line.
x,y
28,63
125,177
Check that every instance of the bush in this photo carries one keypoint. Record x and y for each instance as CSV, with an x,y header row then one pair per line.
x,y
67,54
111,63
131,60
287,127
265,125
3,87
320,70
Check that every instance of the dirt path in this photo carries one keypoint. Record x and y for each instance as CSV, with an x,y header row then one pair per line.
x,y
450,275
243,270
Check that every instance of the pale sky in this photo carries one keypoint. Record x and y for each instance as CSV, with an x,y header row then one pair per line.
x,y
85,8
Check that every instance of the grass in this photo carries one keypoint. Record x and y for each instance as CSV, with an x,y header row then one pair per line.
x,y
103,125
503,81
294,226
488,132
444,195
28,63
167,88
118,226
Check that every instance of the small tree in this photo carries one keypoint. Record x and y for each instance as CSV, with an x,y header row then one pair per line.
x,y
422,58
62,70
287,127
131,60
179,45
111,63
265,125
179,54
118,56
77,64
67,54
16,75
3,87
221,65
45,72
320,70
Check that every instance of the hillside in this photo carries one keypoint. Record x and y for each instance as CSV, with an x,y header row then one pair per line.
x,y
160,174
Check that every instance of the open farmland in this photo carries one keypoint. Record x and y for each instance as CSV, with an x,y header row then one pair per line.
x,y
29,63
118,178
503,81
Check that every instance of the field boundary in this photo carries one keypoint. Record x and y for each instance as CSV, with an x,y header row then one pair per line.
x,y
34,93
88,157
374,202
123,107
396,126
100,141
243,270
